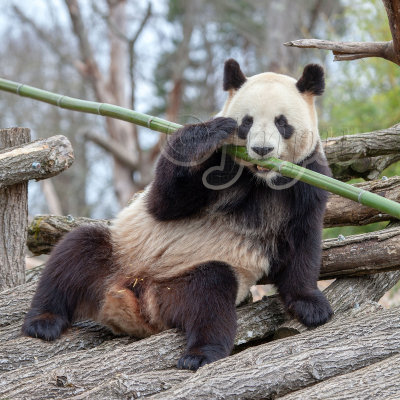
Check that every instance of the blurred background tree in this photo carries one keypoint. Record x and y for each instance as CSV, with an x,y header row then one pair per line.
x,y
165,58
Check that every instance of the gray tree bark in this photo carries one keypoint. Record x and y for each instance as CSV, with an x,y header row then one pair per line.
x,y
378,381
283,366
364,155
13,217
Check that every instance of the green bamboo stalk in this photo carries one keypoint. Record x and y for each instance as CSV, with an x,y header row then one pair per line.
x,y
160,125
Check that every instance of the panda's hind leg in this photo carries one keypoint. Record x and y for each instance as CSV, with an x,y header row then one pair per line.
x,y
202,304
72,284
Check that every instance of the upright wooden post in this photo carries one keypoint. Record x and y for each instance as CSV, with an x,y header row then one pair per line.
x,y
13,218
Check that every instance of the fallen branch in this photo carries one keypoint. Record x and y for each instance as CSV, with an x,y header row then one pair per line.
x,y
40,159
355,255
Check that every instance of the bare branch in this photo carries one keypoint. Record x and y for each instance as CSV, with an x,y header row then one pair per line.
x,y
138,32
47,39
113,147
345,51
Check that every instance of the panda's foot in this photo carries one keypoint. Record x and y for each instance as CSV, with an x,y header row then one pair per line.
x,y
197,357
312,309
46,326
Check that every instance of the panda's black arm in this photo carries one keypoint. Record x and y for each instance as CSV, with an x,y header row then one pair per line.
x,y
295,270
178,190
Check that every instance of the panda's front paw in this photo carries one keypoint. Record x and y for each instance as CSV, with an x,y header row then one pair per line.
x,y
222,126
192,361
312,309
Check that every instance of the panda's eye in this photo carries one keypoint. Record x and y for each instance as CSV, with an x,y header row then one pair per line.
x,y
283,126
245,126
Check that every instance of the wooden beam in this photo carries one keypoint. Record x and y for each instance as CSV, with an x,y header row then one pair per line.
x,y
40,159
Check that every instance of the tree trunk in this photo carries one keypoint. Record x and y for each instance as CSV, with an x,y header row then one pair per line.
x,y
14,217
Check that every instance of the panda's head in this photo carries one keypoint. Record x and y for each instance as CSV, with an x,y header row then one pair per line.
x,y
275,113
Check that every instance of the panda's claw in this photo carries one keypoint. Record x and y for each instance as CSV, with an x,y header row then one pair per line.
x,y
192,361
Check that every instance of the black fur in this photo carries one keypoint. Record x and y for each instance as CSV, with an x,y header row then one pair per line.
x,y
244,128
178,190
283,126
72,283
312,81
233,75
202,304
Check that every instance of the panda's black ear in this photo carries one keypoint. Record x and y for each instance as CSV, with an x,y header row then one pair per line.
x,y
312,81
233,75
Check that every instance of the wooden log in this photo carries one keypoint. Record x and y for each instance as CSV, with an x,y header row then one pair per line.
x,y
368,168
40,159
364,155
341,211
134,386
371,144
277,368
355,255
378,381
256,321
362,254
14,216
46,230
338,347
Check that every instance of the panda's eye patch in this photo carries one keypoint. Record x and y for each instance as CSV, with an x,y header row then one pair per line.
x,y
245,126
283,126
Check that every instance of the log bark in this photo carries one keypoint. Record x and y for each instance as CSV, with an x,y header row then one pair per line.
x,y
256,321
362,254
286,365
364,155
341,211
40,159
85,370
355,255
378,381
14,215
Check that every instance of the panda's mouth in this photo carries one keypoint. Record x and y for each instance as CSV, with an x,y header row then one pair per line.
x,y
261,169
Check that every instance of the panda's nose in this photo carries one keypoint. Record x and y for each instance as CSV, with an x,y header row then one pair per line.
x,y
262,151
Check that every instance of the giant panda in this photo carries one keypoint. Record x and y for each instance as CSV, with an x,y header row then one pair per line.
x,y
185,251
